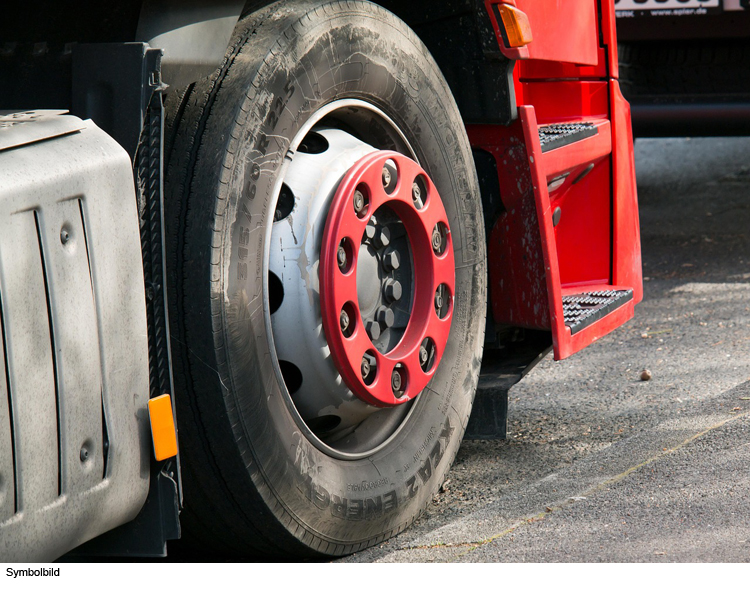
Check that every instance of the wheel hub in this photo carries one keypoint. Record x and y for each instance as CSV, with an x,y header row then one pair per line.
x,y
396,284
322,159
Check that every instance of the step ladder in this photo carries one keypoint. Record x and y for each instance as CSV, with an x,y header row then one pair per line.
x,y
564,256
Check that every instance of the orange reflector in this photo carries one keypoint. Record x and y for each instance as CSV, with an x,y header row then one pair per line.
x,y
162,427
517,27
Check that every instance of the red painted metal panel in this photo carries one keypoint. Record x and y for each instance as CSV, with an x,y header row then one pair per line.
x,y
546,230
572,156
563,30
609,36
569,100
518,287
626,268
548,70
584,235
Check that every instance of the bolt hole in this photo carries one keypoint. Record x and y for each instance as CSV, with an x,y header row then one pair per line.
x,y
323,425
348,319
427,355
361,200
285,204
292,376
440,238
442,301
419,192
390,176
314,143
369,368
65,235
345,256
399,380
275,292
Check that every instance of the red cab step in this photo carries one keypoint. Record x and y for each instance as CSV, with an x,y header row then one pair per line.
x,y
558,250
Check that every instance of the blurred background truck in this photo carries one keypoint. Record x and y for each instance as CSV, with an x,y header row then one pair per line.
x,y
685,66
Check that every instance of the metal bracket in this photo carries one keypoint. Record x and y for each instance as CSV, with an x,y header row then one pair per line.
x,y
119,86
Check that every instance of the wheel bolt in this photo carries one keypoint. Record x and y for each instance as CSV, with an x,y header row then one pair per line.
x,y
393,291
383,238
423,356
386,316
416,193
437,240
370,232
438,300
365,368
392,260
344,320
396,381
359,202
386,176
373,329
341,257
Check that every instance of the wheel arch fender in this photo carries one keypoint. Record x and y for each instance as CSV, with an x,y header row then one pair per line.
x,y
194,35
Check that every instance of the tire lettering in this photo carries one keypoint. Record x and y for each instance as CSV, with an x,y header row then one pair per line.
x,y
356,510
374,506
431,462
341,507
289,89
320,496
263,143
247,214
412,487
338,506
425,472
390,501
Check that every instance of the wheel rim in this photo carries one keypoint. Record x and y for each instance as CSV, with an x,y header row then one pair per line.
x,y
379,375
314,351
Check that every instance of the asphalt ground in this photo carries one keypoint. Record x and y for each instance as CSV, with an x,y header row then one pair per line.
x,y
600,466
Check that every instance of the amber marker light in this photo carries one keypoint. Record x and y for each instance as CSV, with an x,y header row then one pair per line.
x,y
516,25
162,427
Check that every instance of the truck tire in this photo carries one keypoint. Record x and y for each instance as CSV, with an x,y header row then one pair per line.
x,y
278,454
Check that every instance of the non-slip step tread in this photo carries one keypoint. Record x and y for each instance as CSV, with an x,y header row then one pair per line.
x,y
583,309
558,135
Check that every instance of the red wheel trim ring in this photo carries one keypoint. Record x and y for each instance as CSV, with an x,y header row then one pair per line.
x,y
338,288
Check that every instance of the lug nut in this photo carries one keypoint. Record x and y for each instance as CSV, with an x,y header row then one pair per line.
x,y
359,202
383,238
64,236
344,320
386,176
438,301
437,240
393,291
392,260
396,381
423,356
386,316
365,368
341,257
416,193
373,329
